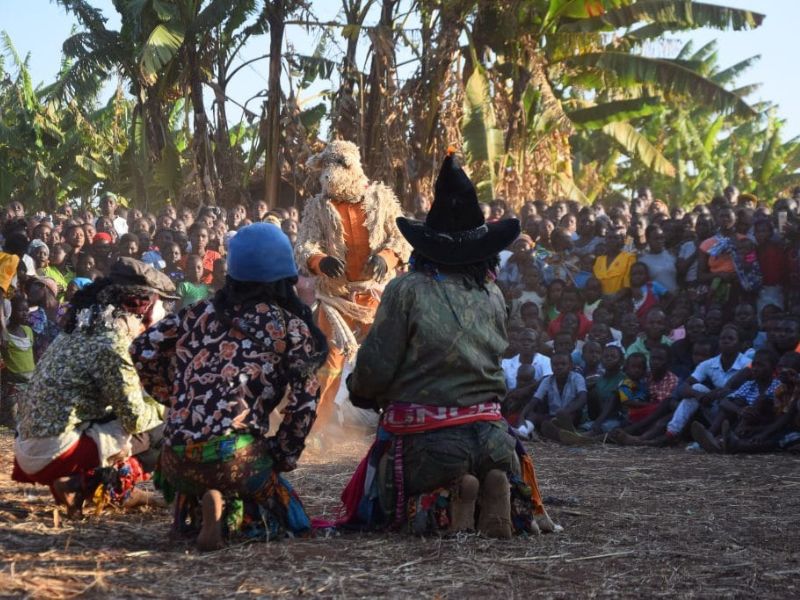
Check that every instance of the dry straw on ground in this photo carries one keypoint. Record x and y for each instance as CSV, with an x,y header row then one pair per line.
x,y
638,523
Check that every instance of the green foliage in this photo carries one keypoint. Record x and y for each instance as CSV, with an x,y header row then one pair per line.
x,y
483,141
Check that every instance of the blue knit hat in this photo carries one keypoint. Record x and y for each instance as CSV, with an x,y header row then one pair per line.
x,y
260,252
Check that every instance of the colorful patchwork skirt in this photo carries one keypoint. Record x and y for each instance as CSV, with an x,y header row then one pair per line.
x,y
259,503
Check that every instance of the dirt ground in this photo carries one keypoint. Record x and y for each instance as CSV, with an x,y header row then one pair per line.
x,y
637,523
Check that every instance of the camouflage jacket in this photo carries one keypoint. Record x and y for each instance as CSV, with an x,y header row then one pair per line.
x,y
433,342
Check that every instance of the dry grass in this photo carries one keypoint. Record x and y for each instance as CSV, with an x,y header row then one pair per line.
x,y
638,523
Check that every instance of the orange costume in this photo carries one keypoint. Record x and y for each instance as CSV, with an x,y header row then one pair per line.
x,y
351,220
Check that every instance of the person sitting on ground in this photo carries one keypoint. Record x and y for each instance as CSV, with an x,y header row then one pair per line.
x,y
514,405
570,303
768,428
83,422
216,440
591,366
655,330
754,397
711,381
646,294
652,429
650,420
560,396
192,289
528,344
630,396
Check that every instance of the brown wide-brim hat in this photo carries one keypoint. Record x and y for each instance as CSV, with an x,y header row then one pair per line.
x,y
129,271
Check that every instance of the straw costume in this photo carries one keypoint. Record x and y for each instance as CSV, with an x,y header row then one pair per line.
x,y
349,241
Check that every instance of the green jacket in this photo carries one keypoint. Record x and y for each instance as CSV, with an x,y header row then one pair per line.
x,y
433,342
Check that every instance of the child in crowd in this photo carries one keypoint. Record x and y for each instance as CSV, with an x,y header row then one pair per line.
x,y
192,289
199,239
173,258
16,348
560,396
514,404
128,246
655,330
591,366
645,293
621,405
218,274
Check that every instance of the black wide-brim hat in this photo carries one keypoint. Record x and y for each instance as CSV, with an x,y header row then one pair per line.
x,y
455,231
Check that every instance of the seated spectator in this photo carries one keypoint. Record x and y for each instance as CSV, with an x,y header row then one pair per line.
x,y
570,303
710,382
645,294
655,330
528,344
754,398
561,395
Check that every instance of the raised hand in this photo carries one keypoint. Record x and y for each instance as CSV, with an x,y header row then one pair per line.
x,y
332,267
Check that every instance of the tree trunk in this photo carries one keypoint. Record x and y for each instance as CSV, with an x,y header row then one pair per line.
x,y
382,62
345,122
276,14
201,143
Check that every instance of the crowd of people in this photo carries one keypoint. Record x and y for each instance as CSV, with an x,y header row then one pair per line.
x,y
629,323
635,324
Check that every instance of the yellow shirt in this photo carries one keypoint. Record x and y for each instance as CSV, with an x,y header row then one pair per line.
x,y
615,276
8,269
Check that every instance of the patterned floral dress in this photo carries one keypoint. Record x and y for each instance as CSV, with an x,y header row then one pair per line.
x,y
221,380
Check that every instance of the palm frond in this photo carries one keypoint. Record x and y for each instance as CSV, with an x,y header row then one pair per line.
x,y
689,14
595,117
667,76
639,147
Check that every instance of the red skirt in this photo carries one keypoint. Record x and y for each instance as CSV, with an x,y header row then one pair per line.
x,y
80,458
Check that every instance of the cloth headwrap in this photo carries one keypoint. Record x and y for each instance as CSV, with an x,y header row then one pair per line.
x,y
102,237
34,245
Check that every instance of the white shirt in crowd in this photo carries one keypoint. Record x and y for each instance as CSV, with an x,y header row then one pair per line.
x,y
711,370
541,368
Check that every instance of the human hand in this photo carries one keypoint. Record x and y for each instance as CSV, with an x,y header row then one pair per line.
x,y
376,266
331,266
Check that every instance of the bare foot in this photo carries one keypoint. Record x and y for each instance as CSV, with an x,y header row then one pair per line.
x,y
462,508
495,517
140,497
210,536
68,491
